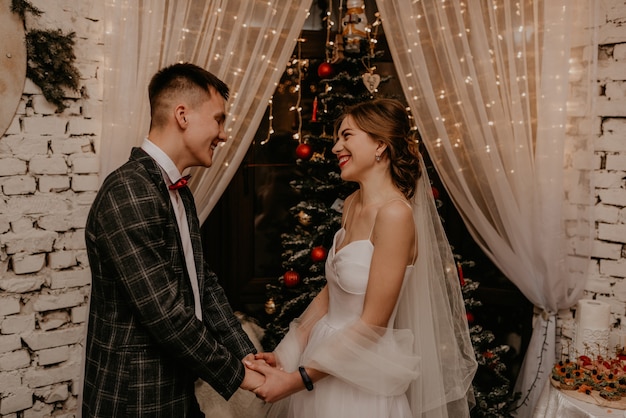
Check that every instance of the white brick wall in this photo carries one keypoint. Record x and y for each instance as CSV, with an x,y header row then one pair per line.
x,y
609,254
48,179
606,279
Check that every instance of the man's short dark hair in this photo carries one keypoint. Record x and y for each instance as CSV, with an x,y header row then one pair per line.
x,y
186,79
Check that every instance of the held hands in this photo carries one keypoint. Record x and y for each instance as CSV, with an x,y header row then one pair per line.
x,y
269,358
252,380
278,383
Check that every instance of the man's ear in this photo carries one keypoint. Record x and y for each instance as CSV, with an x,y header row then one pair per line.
x,y
180,114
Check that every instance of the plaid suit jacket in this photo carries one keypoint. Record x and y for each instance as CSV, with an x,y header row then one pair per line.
x,y
145,346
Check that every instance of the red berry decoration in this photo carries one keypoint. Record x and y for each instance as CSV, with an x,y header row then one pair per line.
x,y
292,278
435,193
325,70
470,317
318,254
304,151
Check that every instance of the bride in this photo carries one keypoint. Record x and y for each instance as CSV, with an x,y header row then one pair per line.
x,y
387,336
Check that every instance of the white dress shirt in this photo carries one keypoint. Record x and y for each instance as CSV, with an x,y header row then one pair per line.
x,y
171,175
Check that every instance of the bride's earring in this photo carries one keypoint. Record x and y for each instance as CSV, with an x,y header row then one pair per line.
x,y
378,158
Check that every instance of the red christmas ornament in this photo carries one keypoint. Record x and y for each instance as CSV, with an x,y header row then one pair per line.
x,y
292,278
304,151
325,70
435,193
318,254
470,317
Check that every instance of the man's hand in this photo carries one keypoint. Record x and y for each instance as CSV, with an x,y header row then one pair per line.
x,y
252,380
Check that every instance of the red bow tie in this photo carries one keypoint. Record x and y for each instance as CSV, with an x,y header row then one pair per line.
x,y
182,182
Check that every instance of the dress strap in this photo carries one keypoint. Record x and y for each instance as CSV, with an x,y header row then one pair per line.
x,y
345,218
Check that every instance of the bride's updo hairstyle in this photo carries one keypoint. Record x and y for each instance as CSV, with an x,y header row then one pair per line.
x,y
387,121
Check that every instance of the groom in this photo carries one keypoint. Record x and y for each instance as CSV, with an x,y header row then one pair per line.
x,y
158,318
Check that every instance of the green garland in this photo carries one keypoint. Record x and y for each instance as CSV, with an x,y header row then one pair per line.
x,y
51,58
22,6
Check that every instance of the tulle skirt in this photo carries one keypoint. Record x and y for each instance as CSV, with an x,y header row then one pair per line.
x,y
333,396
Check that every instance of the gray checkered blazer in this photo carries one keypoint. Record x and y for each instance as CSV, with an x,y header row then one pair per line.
x,y
145,347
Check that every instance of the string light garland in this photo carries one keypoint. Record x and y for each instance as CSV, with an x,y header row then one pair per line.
x,y
270,118
372,34
298,106
334,54
295,67
329,28
333,51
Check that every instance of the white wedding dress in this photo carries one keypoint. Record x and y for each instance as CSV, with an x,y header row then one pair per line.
x,y
347,271
420,366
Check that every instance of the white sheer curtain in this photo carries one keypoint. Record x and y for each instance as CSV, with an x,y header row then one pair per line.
x,y
501,93
246,43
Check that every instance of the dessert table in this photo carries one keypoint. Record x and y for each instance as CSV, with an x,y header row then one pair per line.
x,y
555,403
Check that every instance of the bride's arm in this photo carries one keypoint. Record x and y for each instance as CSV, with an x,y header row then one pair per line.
x,y
393,238
358,354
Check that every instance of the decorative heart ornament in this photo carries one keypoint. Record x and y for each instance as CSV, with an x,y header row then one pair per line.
x,y
371,81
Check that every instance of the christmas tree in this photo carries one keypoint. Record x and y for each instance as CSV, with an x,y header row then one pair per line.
x,y
347,75
492,386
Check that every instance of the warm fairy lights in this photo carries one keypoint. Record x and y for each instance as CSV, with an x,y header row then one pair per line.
x,y
298,106
245,47
296,67
270,118
329,28
333,55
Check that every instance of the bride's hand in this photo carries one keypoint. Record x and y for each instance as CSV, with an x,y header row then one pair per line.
x,y
278,383
269,358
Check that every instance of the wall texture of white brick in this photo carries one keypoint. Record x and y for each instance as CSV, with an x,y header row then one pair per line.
x,y
48,178
608,270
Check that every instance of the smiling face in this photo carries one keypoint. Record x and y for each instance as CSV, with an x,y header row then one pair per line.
x,y
187,108
355,149
379,127
204,131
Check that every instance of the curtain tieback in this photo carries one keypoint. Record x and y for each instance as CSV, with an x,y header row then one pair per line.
x,y
544,313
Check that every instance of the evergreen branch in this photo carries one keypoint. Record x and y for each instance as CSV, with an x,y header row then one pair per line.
x,y
21,7
51,63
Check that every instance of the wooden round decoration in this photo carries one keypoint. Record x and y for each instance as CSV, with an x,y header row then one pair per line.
x,y
12,63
